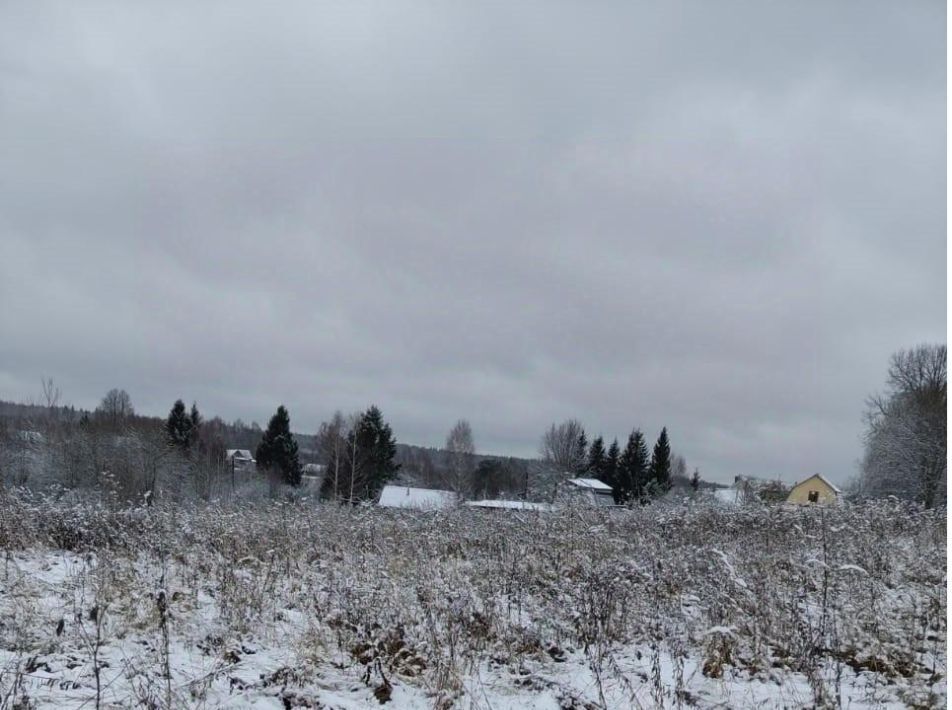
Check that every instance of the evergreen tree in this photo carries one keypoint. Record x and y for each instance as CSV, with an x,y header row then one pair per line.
x,y
696,481
612,468
581,453
596,459
178,427
278,450
371,449
196,419
660,468
633,468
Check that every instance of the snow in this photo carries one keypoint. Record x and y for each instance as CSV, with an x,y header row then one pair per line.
x,y
510,505
420,498
287,605
592,483
726,495
240,454
828,482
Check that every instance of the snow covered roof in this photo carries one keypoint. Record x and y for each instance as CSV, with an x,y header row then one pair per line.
x,y
238,454
406,497
591,483
510,505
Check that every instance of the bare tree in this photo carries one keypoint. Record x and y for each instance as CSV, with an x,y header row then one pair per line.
x,y
678,468
906,444
459,443
332,447
560,446
51,393
353,462
116,407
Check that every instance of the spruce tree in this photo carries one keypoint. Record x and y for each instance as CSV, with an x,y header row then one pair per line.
x,y
633,468
278,450
612,469
178,427
596,459
641,466
626,485
196,419
660,469
371,449
581,454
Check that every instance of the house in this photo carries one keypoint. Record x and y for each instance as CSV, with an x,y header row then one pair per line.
x,y
509,505
418,498
239,458
591,491
815,489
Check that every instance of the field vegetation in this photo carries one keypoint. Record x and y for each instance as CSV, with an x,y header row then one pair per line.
x,y
317,605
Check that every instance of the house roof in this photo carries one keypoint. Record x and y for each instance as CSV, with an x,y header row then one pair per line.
x,y
238,453
510,505
823,478
591,483
422,498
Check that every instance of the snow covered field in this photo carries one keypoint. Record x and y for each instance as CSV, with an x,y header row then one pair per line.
x,y
285,606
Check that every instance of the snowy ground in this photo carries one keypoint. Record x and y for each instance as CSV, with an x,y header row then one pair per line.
x,y
291,606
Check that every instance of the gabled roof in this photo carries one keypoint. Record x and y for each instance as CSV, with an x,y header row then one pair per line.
x,y
421,498
238,454
591,483
823,478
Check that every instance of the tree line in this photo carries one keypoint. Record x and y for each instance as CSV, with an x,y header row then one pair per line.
x,y
358,454
634,476
115,449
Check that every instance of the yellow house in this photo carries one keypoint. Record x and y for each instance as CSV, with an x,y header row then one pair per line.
x,y
815,489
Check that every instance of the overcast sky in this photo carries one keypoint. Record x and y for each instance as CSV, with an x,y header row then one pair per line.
x,y
718,217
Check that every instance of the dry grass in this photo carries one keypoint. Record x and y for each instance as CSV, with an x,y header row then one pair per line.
x,y
429,600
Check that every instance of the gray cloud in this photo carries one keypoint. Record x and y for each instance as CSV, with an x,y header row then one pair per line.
x,y
721,218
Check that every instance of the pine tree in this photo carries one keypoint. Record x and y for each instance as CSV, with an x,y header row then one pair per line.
x,y
596,458
696,480
278,450
612,469
633,468
196,419
660,469
178,427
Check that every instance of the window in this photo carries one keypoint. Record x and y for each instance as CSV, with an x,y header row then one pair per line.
x,y
814,496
